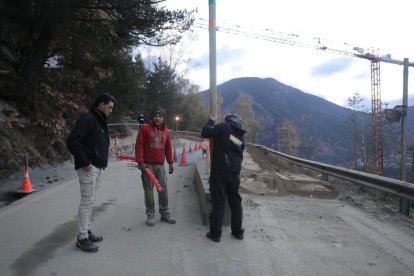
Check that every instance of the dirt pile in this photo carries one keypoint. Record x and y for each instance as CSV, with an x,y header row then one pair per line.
x,y
272,178
262,175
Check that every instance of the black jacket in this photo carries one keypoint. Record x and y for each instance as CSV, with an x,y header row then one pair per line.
x,y
89,140
228,144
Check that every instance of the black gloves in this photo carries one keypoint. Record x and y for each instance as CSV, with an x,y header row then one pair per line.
x,y
142,166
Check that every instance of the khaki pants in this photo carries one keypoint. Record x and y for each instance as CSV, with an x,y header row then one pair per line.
x,y
89,184
159,172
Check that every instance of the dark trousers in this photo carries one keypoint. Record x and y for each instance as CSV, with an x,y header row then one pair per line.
x,y
222,184
159,172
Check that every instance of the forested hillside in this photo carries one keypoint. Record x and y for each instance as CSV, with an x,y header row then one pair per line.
x,y
57,56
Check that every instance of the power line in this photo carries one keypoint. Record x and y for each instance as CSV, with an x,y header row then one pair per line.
x,y
316,43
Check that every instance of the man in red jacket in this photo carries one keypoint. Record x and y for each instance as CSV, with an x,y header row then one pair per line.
x,y
152,147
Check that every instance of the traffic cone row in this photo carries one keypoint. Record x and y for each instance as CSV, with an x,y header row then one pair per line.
x,y
197,146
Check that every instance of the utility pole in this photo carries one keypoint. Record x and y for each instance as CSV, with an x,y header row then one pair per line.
x,y
404,203
213,58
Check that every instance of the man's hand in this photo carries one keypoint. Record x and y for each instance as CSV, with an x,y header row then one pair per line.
x,y
170,168
142,166
88,168
211,119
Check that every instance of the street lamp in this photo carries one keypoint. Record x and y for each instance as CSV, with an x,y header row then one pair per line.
x,y
394,115
176,122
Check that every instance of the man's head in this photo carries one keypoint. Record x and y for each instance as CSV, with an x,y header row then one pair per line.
x,y
229,117
158,116
105,103
235,122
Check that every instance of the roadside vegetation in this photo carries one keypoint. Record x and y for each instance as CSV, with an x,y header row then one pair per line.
x,y
57,56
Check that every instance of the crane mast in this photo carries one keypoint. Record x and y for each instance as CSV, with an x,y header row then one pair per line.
x,y
317,43
377,143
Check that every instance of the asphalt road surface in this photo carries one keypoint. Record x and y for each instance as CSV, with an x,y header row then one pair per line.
x,y
288,235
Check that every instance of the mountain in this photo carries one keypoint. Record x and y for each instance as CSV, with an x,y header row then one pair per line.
x,y
275,101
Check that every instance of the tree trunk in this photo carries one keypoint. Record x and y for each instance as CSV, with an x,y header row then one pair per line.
x,y
31,69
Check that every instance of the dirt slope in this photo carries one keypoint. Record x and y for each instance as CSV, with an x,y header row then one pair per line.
x,y
263,175
267,177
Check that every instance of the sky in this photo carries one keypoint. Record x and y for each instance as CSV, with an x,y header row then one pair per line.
x,y
369,24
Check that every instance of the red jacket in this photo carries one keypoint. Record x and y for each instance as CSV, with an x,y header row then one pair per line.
x,y
153,145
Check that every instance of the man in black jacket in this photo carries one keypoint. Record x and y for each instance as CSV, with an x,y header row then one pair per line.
x,y
89,143
226,160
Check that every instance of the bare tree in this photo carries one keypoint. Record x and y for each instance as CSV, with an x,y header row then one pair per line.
x,y
244,108
288,137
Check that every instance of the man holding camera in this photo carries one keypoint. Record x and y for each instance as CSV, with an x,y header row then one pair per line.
x,y
226,160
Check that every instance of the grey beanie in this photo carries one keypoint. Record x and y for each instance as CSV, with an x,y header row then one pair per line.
x,y
158,110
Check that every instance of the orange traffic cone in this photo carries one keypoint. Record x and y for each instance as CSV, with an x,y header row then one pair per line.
x,y
183,159
9,124
27,185
175,155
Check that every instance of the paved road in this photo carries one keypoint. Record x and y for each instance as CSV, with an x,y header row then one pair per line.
x,y
284,236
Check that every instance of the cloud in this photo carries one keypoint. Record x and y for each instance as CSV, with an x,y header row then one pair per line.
x,y
202,62
225,56
362,75
333,66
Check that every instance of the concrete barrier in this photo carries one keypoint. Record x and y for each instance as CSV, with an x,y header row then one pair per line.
x,y
201,179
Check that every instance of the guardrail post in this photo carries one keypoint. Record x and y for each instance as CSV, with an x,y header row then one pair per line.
x,y
404,206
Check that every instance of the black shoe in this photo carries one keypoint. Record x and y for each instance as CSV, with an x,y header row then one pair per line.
x,y
239,235
214,239
93,237
86,245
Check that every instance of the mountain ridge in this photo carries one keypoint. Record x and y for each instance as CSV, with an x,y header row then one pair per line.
x,y
275,102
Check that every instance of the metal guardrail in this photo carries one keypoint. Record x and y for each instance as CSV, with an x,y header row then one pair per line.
x,y
389,185
396,187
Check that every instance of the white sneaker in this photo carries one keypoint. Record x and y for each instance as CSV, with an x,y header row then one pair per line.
x,y
168,218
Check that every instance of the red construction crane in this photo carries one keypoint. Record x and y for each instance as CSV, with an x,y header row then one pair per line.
x,y
316,43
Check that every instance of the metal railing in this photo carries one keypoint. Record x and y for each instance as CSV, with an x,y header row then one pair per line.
x,y
392,186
